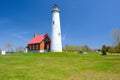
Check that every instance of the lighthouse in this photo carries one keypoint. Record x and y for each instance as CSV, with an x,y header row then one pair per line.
x,y
56,42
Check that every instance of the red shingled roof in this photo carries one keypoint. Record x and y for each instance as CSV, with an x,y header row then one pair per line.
x,y
37,39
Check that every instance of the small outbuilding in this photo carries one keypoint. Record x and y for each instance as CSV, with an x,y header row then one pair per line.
x,y
2,52
39,43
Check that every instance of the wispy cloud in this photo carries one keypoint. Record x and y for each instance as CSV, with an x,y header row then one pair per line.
x,y
20,35
4,21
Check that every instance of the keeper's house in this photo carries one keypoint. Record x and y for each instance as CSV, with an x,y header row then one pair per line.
x,y
39,43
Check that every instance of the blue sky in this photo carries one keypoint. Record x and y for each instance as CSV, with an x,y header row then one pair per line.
x,y
83,22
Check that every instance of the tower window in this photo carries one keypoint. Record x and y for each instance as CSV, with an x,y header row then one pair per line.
x,y
59,34
53,22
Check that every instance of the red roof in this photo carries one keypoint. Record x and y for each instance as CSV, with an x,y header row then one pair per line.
x,y
37,39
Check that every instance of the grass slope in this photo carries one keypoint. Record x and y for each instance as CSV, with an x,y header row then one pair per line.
x,y
59,66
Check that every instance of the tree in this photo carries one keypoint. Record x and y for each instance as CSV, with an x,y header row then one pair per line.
x,y
71,48
116,38
104,50
20,49
86,48
0,49
9,46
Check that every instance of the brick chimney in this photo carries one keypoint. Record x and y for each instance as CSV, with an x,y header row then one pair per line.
x,y
35,35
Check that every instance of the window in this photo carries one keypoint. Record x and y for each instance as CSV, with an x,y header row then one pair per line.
x,y
46,40
37,46
59,34
30,47
33,47
53,22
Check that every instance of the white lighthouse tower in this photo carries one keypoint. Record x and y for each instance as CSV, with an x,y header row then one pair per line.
x,y
56,43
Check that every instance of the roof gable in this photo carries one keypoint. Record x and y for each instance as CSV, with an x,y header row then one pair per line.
x,y
37,39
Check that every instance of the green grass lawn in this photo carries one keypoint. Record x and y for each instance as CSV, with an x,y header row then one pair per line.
x,y
59,66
